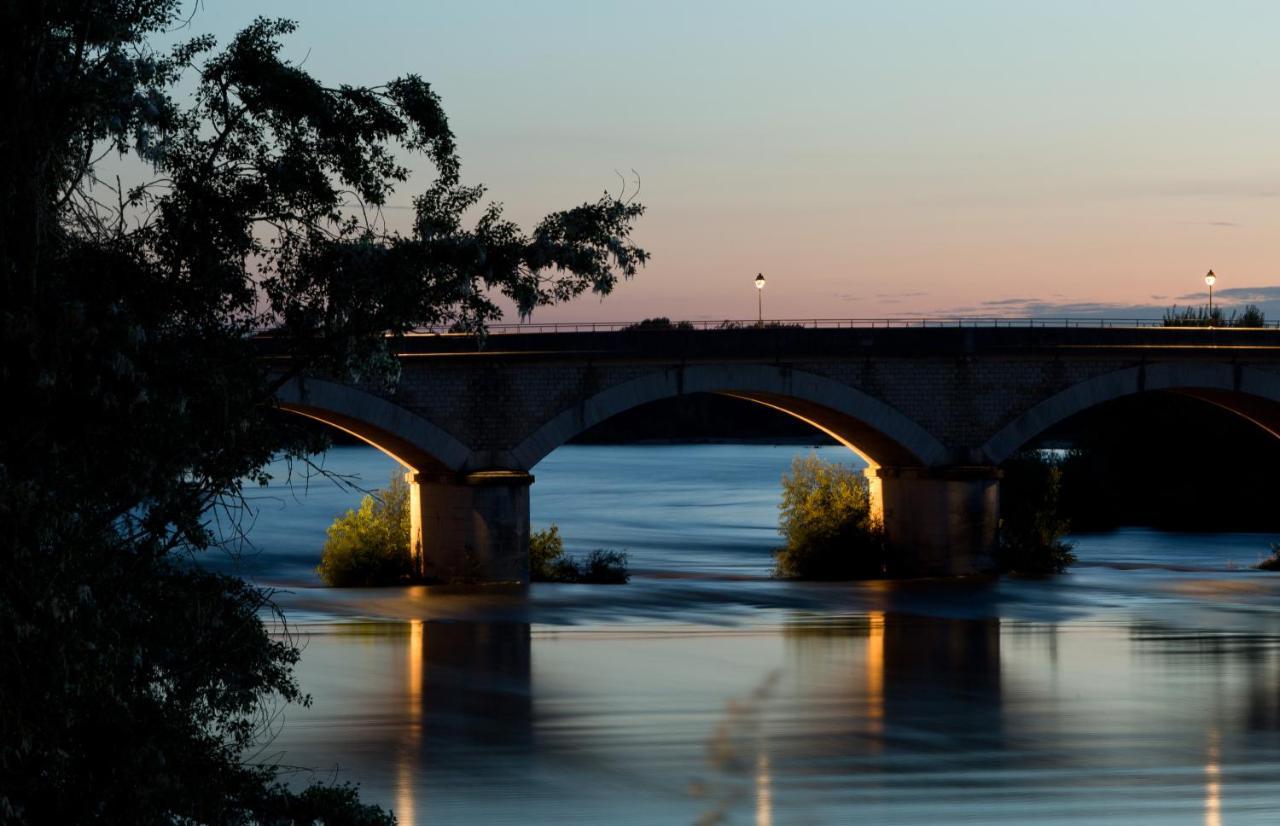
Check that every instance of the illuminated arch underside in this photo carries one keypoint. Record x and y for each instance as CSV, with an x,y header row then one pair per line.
x,y
878,433
1248,392
404,436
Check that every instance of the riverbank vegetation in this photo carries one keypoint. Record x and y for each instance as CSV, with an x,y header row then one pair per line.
x,y
171,215
369,546
549,563
832,533
1032,527
1271,563
826,518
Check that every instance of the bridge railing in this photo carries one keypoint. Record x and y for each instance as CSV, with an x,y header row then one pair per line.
x,y
820,323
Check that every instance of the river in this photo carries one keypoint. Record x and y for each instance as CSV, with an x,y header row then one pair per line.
x,y
1143,687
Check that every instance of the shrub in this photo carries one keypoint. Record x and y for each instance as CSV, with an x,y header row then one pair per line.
x,y
660,323
1250,316
546,549
827,521
370,546
1031,526
603,567
1271,563
548,563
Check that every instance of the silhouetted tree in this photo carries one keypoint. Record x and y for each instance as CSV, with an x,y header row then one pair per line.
x,y
132,682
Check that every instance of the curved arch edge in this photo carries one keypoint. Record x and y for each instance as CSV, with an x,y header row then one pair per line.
x,y
912,443
1129,381
405,436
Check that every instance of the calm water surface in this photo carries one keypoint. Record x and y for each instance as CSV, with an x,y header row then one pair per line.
x,y
1143,687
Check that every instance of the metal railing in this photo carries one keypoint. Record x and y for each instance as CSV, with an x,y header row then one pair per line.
x,y
919,322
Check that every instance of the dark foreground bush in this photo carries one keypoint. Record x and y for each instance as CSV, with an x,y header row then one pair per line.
x,y
548,562
827,521
370,546
1271,563
1031,525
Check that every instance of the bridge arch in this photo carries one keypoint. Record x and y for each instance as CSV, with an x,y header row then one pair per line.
x,y
403,435
874,430
1248,392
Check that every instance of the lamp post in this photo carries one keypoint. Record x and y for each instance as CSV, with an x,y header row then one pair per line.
x,y
760,299
1210,279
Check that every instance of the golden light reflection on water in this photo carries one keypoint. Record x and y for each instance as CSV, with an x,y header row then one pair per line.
x,y
409,749
875,677
1213,780
764,790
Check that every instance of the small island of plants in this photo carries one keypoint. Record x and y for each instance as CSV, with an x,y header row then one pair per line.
x,y
1271,563
832,533
369,546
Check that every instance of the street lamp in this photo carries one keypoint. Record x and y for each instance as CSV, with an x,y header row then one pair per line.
x,y
760,299
1210,279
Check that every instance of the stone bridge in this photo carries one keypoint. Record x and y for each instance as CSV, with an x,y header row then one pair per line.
x,y
934,412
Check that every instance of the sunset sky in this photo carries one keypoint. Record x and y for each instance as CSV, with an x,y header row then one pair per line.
x,y
870,158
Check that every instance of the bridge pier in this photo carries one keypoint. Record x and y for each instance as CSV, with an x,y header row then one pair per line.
x,y
470,526
943,519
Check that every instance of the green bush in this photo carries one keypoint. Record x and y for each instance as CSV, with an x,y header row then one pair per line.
x,y
827,521
370,546
548,563
546,548
1031,525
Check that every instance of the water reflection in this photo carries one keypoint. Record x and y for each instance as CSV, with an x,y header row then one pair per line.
x,y
1213,781
403,707
476,686
875,676
764,794
894,716
406,764
880,681
1139,689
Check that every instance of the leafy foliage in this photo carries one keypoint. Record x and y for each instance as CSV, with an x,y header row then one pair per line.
x,y
827,521
548,562
1031,525
145,325
546,548
370,546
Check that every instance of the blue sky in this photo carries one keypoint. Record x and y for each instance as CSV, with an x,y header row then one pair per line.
x,y
871,158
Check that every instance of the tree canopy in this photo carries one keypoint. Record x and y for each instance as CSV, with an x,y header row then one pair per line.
x,y
132,682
